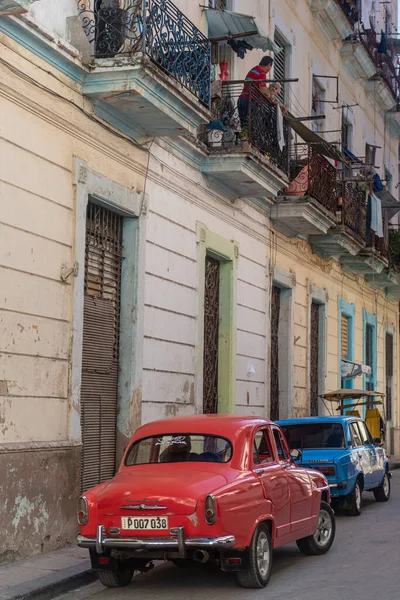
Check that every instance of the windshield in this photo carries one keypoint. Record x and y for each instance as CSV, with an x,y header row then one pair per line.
x,y
179,447
314,435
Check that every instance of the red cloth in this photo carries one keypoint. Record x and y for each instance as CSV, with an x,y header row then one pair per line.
x,y
256,74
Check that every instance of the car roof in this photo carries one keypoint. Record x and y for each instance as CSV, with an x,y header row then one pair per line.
x,y
222,425
328,419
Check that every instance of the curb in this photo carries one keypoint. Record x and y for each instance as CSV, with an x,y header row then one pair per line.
x,y
394,465
49,586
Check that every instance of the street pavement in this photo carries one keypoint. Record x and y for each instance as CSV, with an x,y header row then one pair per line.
x,y
363,564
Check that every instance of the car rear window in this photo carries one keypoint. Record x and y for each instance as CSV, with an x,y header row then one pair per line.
x,y
179,447
314,435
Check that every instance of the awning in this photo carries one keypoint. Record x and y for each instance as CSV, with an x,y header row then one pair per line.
x,y
350,369
390,204
224,24
318,143
344,394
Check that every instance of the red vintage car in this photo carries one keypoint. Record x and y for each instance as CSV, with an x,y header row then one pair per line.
x,y
200,488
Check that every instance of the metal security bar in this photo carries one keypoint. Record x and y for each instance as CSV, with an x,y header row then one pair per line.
x,y
211,335
352,204
153,28
253,122
312,175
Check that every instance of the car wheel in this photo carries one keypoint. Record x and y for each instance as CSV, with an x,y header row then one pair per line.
x,y
382,493
260,559
322,540
355,500
117,578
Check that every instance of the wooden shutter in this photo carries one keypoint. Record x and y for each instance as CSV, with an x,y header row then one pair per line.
x,y
101,320
345,337
280,65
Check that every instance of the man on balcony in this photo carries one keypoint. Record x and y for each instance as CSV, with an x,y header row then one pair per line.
x,y
257,77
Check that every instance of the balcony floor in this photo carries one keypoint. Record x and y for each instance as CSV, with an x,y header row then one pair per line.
x,y
367,262
301,216
338,243
136,96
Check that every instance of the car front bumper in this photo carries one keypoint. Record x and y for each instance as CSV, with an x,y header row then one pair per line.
x,y
177,543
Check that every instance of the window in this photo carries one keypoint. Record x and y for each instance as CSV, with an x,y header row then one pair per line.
x,y
370,155
179,447
281,64
369,333
355,433
345,337
370,327
366,437
389,374
314,435
317,106
262,449
280,446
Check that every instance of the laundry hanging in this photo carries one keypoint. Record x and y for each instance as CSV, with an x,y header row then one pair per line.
x,y
376,216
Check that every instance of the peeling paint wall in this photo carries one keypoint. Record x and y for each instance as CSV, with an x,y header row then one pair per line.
x,y
38,488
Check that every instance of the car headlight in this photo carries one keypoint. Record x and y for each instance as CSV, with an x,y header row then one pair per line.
x,y
210,510
83,511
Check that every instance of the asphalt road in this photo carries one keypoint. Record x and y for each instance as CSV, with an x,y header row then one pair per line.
x,y
363,564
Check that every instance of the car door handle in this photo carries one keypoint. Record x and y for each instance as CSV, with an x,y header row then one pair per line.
x,y
259,471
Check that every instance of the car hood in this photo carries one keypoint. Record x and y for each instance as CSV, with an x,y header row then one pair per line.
x,y
320,456
168,486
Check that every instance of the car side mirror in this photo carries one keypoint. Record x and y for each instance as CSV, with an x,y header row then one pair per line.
x,y
296,454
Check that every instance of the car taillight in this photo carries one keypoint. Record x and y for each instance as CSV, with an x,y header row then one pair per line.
x,y
327,470
83,511
210,510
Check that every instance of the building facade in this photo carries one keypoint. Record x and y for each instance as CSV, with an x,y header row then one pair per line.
x,y
156,262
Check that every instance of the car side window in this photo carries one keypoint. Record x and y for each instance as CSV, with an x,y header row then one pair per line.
x,y
355,435
261,448
365,434
283,454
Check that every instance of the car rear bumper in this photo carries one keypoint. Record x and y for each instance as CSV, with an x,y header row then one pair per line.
x,y
177,543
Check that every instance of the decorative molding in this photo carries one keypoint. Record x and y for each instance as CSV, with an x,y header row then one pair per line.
x,y
18,447
284,279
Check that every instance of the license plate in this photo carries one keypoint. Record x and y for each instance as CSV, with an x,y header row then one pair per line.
x,y
145,523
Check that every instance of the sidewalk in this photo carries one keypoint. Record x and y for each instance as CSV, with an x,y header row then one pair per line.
x,y
45,576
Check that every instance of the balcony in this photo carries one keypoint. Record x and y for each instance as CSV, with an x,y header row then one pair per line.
x,y
386,82
308,206
245,159
331,18
389,279
150,71
348,237
14,7
372,259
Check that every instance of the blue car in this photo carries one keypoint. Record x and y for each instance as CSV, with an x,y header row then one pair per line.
x,y
343,449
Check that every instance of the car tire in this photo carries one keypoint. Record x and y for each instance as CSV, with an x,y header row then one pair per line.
x,y
355,500
322,540
260,560
382,493
120,577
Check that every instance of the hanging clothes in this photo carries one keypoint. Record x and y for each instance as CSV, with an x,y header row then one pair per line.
x,y
377,184
279,128
376,216
382,48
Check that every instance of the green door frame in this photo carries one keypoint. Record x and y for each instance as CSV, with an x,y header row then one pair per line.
x,y
227,253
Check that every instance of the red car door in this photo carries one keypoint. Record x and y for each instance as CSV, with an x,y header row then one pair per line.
x,y
299,483
274,480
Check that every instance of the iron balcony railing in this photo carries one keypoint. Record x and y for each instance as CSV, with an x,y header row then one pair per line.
x,y
353,208
383,62
379,244
394,248
312,175
216,4
240,125
153,28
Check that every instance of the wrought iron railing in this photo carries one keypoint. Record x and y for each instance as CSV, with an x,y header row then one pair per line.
x,y
240,122
353,208
312,175
383,62
379,244
394,248
153,28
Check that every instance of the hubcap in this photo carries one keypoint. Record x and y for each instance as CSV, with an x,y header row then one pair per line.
x,y
324,530
263,554
386,485
357,493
